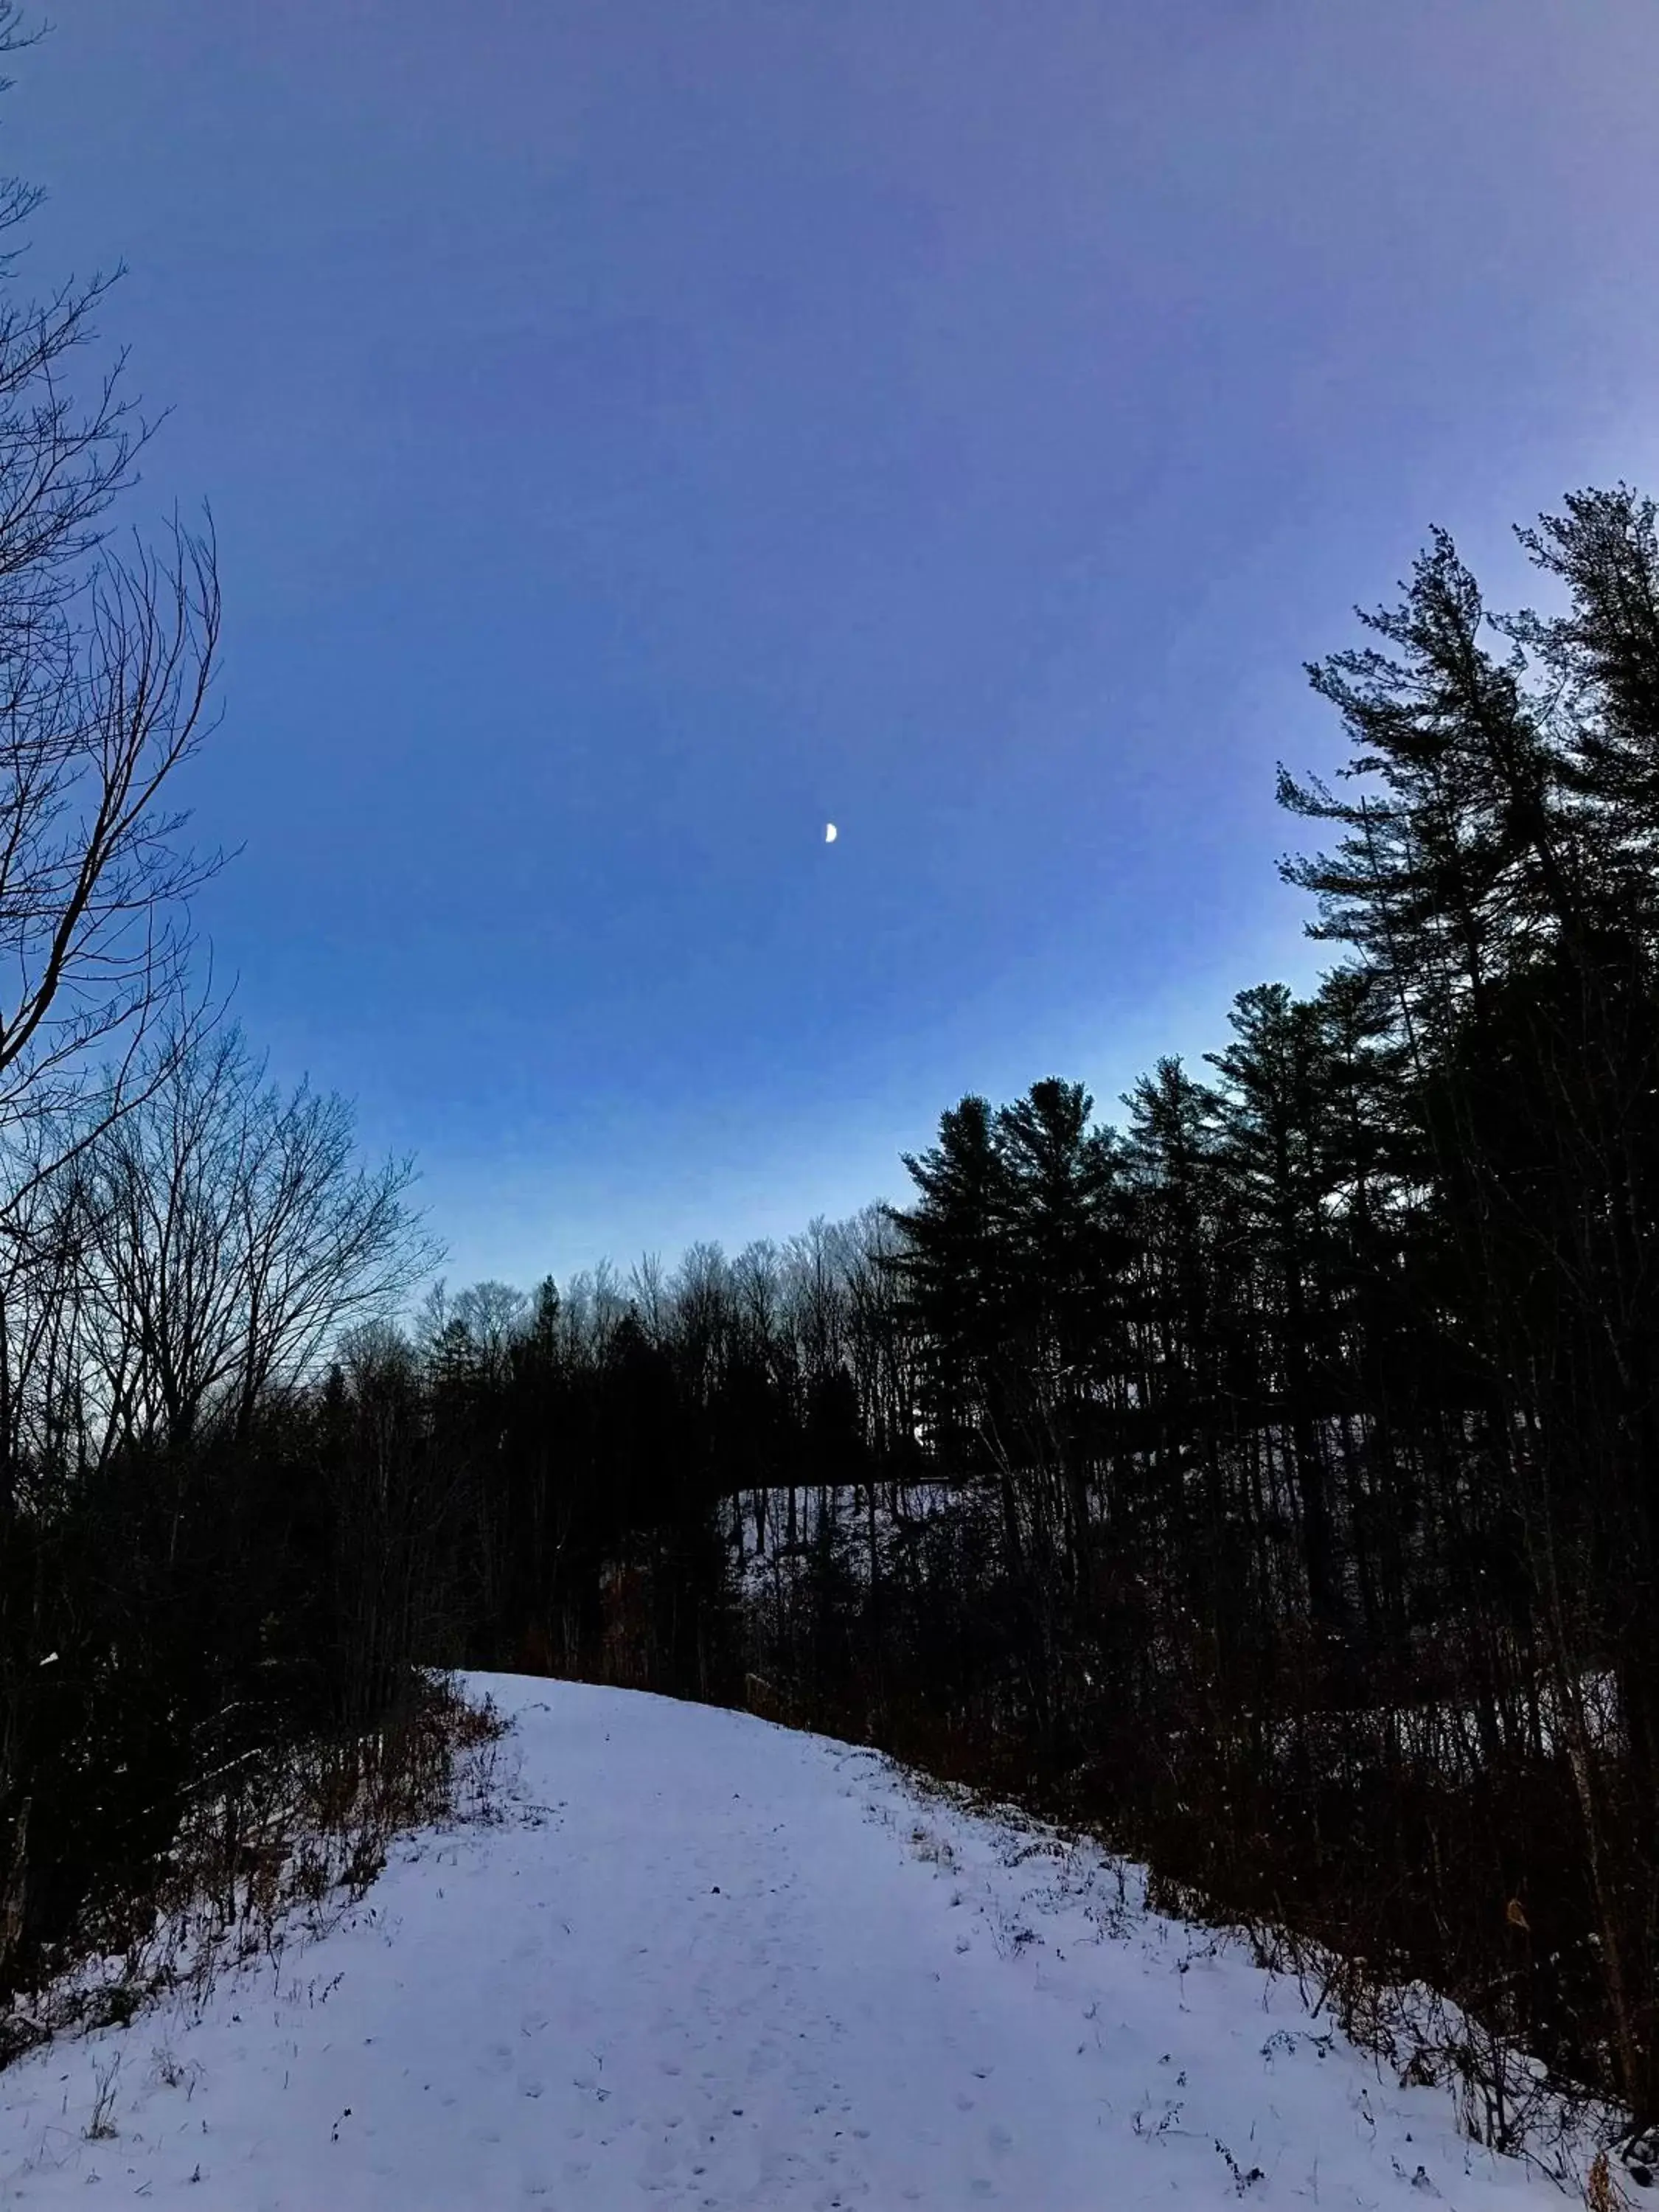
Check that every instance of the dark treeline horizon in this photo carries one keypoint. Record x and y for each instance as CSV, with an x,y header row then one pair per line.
x,y
1270,1476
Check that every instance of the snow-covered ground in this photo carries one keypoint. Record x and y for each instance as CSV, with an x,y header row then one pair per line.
x,y
705,1962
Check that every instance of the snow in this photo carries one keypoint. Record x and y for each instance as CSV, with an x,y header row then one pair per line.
x,y
703,1961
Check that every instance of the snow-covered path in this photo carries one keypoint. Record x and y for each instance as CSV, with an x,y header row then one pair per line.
x,y
709,1963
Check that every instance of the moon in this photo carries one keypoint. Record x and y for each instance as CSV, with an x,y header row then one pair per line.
x,y
829,833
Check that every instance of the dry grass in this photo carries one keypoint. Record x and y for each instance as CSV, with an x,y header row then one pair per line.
x,y
1505,2098
267,1852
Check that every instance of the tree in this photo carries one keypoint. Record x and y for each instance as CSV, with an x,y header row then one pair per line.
x,y
1460,854
954,1268
105,660
235,1236
1062,1254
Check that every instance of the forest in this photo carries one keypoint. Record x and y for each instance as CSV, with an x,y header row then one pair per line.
x,y
1264,1475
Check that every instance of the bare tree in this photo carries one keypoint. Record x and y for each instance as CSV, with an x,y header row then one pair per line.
x,y
236,1236
105,660
647,1284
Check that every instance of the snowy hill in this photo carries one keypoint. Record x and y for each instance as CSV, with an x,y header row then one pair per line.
x,y
705,1962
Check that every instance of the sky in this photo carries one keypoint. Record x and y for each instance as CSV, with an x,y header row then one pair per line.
x,y
638,432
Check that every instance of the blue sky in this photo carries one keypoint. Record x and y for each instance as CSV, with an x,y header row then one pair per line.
x,y
638,433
